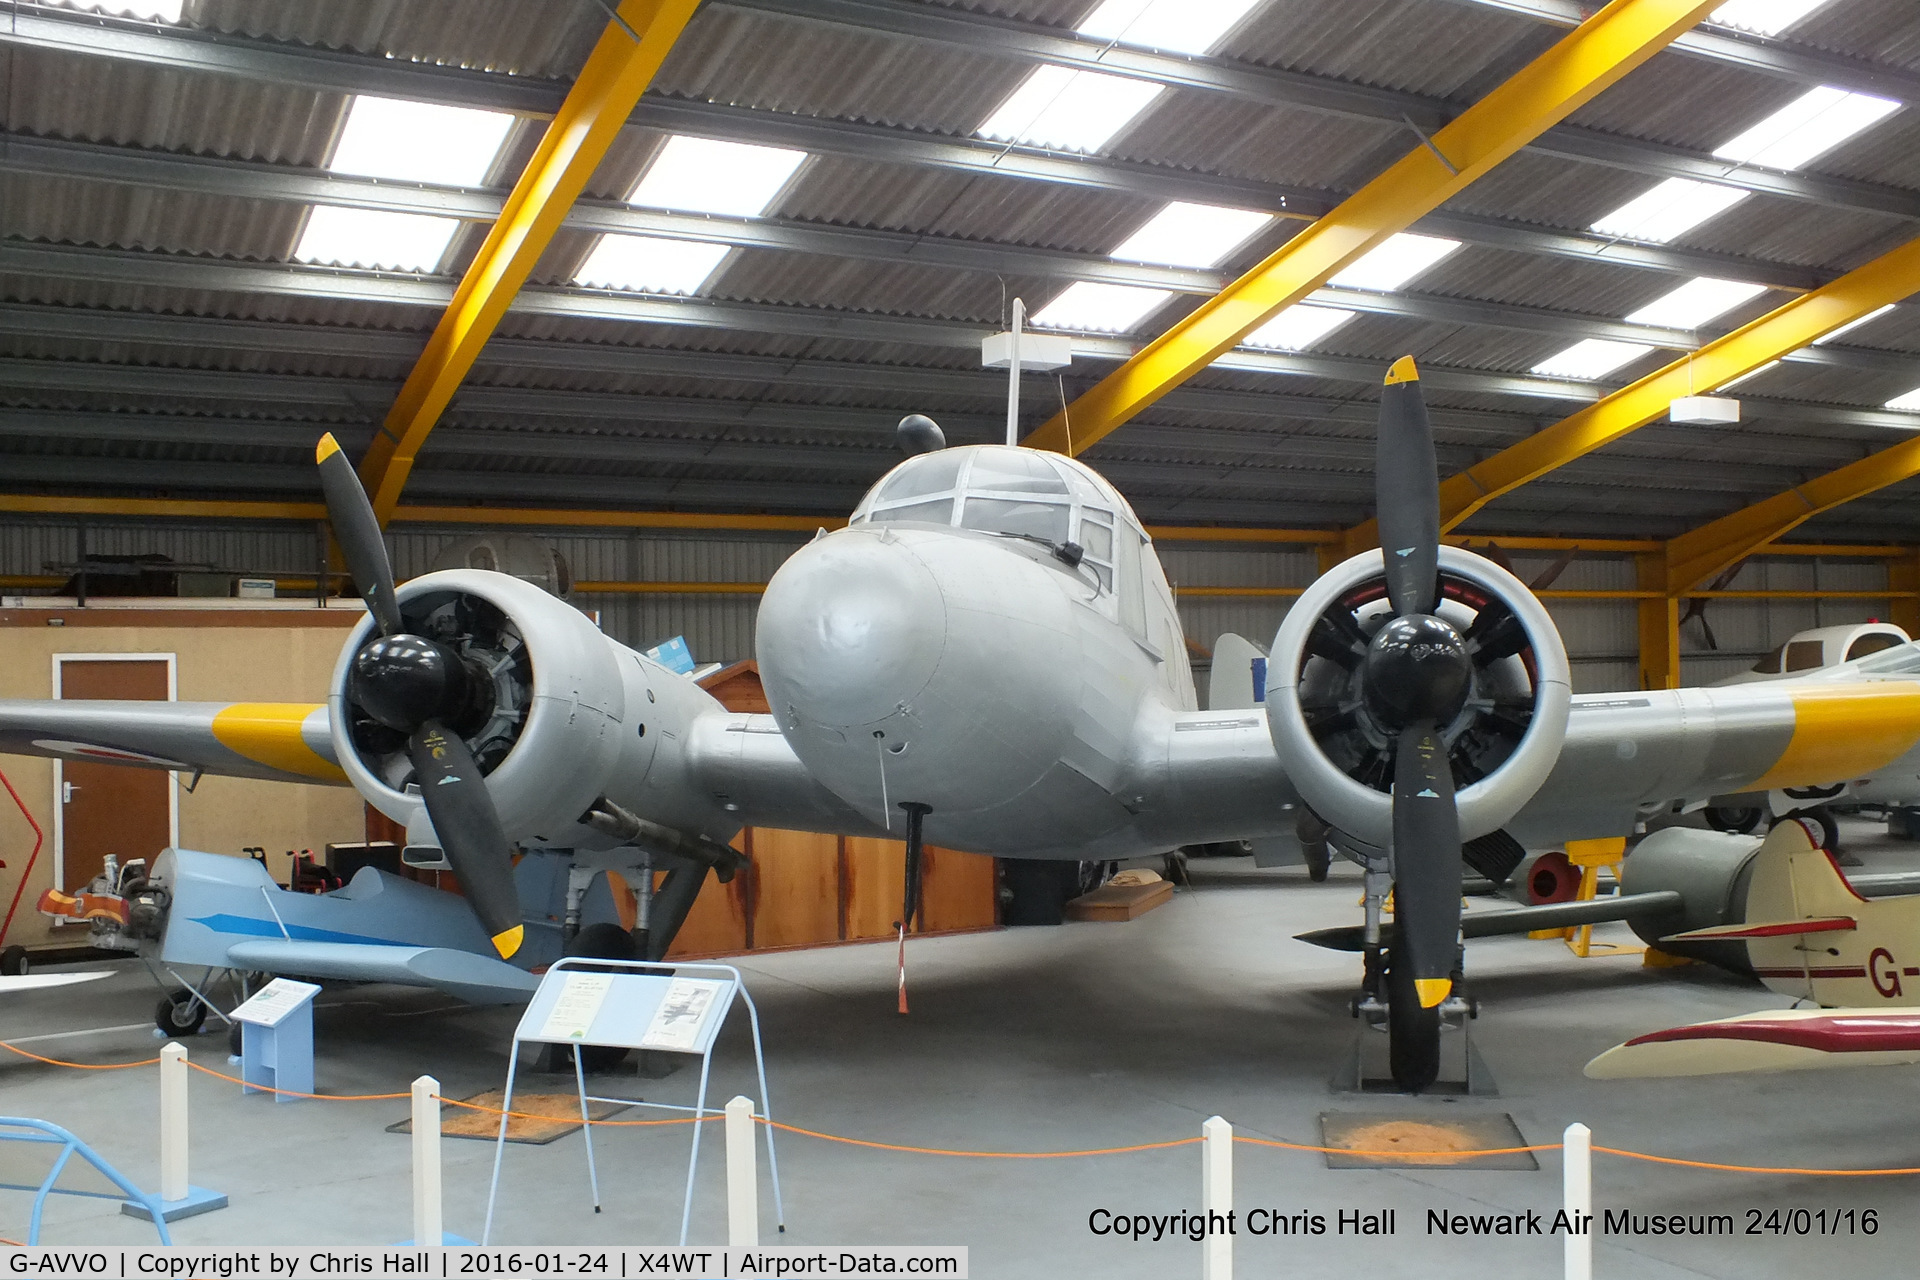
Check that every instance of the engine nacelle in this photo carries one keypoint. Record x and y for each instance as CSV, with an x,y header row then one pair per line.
x,y
562,715
1503,742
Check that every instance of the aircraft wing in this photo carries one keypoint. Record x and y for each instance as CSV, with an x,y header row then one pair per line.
x,y
473,977
1630,754
278,741
743,761
12,983
1771,1040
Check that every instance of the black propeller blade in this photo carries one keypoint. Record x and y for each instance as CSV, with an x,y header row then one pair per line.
x,y
1426,842
358,532
413,685
1407,493
469,829
1418,675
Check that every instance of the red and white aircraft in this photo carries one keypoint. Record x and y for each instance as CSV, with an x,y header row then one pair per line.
x,y
1809,935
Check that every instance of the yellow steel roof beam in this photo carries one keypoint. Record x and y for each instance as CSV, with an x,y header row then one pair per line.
x,y
609,87
1699,554
1587,60
1889,278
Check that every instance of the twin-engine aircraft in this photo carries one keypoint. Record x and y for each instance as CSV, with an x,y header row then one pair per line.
x,y
989,656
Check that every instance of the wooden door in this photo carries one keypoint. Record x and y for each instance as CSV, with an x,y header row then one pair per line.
x,y
109,808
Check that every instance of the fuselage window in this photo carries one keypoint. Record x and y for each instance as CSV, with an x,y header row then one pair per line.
x,y
1096,541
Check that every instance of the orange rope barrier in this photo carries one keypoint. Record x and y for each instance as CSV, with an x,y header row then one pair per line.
x,y
78,1066
1759,1168
980,1155
1410,1156
295,1093
1402,1155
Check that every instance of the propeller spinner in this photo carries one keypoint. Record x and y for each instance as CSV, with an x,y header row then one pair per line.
x,y
414,685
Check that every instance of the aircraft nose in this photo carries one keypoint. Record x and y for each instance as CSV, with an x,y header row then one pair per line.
x,y
851,628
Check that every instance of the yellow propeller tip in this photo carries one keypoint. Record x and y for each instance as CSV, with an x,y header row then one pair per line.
x,y
327,447
1403,371
508,942
1432,990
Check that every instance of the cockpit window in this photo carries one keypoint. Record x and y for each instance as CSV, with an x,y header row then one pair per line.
x,y
1871,643
1044,520
931,473
1770,664
1013,471
935,511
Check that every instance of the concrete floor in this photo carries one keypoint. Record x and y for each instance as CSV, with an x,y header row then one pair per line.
x,y
1087,1035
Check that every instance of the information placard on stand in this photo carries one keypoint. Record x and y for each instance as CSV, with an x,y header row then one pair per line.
x,y
636,1004
276,1038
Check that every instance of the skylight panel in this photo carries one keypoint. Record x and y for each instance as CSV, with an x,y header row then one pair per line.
x,y
699,175
650,264
1100,308
1910,401
1851,325
419,141
1695,302
1191,235
1590,358
1178,26
1069,110
373,239
1298,327
1731,383
1763,17
1810,126
153,10
1671,209
1394,262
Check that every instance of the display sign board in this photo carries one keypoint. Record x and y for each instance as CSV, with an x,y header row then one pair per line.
x,y
627,1010
273,1002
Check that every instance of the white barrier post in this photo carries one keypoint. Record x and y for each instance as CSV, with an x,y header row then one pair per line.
x,y
1216,1196
173,1122
179,1198
743,1179
427,1228
1577,1183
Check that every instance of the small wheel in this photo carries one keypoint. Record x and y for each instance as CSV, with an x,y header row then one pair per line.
x,y
14,962
1737,822
180,1014
602,942
1413,1033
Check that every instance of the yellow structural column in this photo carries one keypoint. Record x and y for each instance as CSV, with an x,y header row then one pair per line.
x,y
1587,60
1659,625
616,73
1903,574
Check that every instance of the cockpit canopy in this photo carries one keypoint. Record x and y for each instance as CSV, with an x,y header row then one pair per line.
x,y
1004,490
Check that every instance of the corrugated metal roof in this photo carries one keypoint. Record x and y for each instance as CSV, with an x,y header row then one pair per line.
x,y
1295,465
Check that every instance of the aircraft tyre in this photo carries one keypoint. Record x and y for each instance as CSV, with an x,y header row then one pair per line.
x,y
1738,822
602,942
180,1014
1413,1033
1822,817
14,962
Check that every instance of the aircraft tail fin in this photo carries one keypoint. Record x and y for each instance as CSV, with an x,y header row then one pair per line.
x,y
1238,677
1806,930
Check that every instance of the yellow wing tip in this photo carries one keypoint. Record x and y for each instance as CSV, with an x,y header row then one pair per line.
x,y
1403,370
1432,990
508,942
327,447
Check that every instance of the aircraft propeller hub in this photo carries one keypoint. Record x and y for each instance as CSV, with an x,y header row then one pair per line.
x,y
1417,668
405,680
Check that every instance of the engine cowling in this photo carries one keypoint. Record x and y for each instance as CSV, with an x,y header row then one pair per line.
x,y
548,699
1501,743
